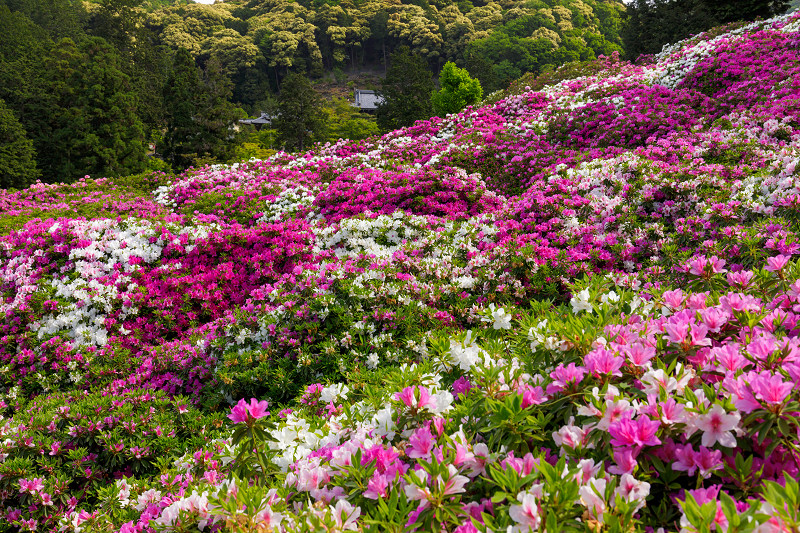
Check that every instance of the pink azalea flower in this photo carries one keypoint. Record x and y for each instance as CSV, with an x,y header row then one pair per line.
x,y
244,413
346,515
565,376
717,426
526,515
624,462
633,490
729,358
772,389
455,482
762,348
777,263
639,354
421,444
532,395
639,432
408,396
741,392
676,331
742,278
603,362
672,412
377,487
697,335
708,461
615,409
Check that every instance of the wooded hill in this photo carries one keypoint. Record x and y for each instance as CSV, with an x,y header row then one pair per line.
x,y
85,87
259,41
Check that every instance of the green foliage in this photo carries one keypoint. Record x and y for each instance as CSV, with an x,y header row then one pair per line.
x,y
199,116
58,18
347,122
91,437
406,89
257,144
90,121
300,119
458,90
17,156
653,23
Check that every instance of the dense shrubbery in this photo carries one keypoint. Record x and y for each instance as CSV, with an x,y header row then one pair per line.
x,y
573,308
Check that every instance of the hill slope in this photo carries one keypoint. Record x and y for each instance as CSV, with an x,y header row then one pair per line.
x,y
338,285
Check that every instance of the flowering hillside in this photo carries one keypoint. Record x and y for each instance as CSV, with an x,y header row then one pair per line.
x,y
573,309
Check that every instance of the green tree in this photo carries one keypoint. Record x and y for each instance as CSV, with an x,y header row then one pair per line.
x,y
23,49
58,18
406,91
457,90
199,115
217,117
181,100
347,122
300,119
17,156
725,11
90,125
653,23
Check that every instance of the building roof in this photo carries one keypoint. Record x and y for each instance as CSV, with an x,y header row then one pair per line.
x,y
263,119
367,100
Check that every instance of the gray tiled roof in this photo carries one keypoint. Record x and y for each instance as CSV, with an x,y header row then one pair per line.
x,y
367,100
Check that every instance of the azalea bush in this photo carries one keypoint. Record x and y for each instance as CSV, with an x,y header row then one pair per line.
x,y
574,307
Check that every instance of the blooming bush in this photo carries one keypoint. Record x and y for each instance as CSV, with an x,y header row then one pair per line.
x,y
574,307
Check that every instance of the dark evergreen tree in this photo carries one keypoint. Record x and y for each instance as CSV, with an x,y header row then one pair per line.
x,y
725,11
90,125
653,23
17,156
199,116
300,119
217,116
406,91
24,48
182,97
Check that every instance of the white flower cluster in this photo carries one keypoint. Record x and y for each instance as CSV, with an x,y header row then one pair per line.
x,y
109,245
19,272
288,202
538,336
294,439
381,236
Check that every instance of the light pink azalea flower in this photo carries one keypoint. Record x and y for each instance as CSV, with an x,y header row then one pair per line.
x,y
346,515
525,515
717,427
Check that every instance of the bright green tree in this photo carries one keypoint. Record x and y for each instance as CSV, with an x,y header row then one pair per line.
x,y
347,122
17,156
457,90
300,119
406,91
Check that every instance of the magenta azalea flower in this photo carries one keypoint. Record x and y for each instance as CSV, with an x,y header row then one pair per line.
x,y
629,432
244,413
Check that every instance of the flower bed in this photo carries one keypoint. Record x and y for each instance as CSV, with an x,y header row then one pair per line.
x,y
573,308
